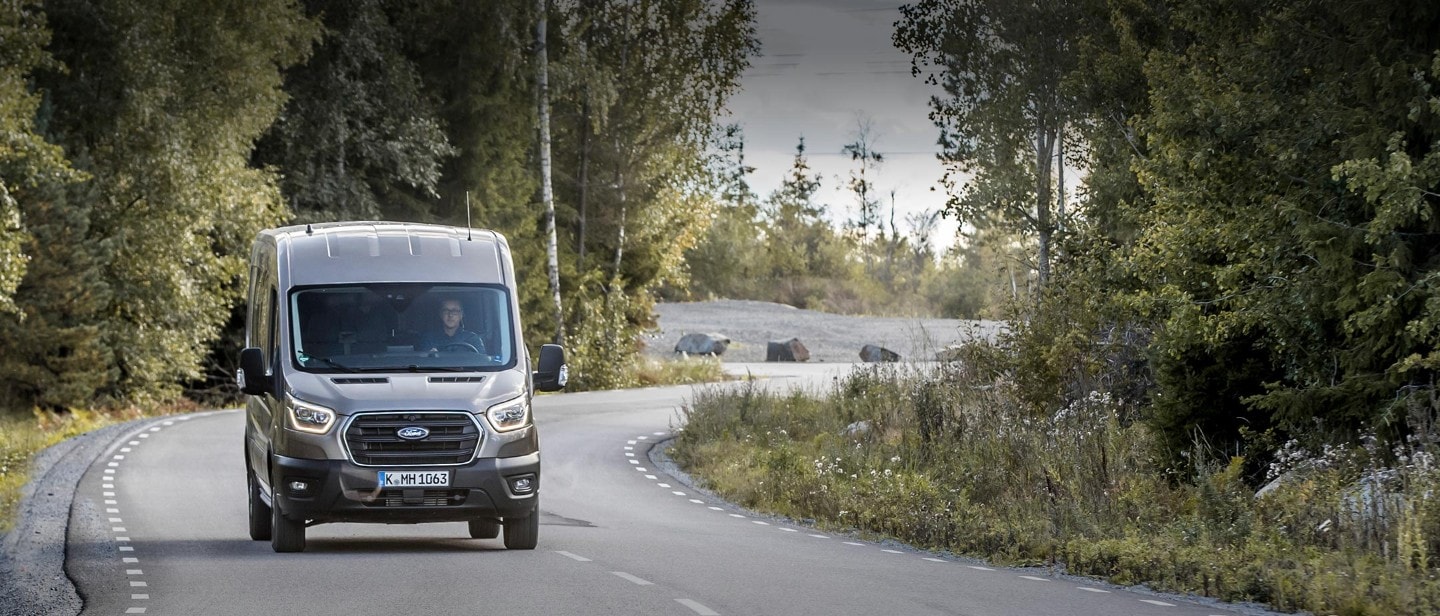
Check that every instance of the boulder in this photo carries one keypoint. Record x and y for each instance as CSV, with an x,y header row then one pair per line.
x,y
702,344
953,352
786,350
871,353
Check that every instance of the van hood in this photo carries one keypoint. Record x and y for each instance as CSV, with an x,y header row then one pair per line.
x,y
425,391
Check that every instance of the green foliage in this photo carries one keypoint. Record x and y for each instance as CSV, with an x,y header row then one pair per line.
x,y
27,163
358,139
144,259
954,459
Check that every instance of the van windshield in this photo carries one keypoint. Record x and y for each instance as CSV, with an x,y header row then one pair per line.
x,y
402,327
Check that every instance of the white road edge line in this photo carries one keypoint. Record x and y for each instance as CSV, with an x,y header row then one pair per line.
x,y
636,580
574,557
697,608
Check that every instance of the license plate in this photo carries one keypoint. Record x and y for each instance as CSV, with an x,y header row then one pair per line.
x,y
413,479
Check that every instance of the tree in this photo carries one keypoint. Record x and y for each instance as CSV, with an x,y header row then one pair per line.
x,y
1003,66
161,104
27,162
358,138
547,196
862,152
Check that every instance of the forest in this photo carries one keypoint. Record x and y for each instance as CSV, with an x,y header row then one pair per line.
x,y
1213,220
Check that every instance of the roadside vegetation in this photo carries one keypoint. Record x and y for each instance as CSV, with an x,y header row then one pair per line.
x,y
1227,217
950,458
22,438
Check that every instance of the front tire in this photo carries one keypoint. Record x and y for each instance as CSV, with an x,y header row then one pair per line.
x,y
523,533
484,528
259,512
285,534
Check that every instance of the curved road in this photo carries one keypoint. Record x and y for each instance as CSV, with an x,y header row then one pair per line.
x,y
159,527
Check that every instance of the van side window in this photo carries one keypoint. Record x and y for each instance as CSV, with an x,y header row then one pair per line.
x,y
272,336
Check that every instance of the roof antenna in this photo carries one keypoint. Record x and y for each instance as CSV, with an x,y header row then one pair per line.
x,y
308,229
467,216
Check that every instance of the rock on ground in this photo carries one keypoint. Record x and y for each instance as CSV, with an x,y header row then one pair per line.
x,y
751,325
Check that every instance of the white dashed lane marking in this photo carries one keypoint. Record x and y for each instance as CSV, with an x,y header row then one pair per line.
x,y
716,509
678,493
1159,603
1088,589
853,543
650,476
892,551
638,582
759,522
936,560
1033,578
574,557
819,536
663,485
697,608
138,584
697,501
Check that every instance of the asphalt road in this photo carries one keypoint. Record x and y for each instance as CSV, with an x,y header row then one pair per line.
x,y
158,527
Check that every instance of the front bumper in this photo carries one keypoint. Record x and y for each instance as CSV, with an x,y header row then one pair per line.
x,y
340,491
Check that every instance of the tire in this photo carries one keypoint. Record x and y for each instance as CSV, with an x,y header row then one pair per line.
x,y
484,528
259,511
523,533
286,535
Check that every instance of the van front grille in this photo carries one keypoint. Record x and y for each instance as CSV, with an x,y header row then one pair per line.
x,y
374,439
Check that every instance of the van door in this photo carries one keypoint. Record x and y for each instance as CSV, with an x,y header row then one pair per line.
x,y
264,333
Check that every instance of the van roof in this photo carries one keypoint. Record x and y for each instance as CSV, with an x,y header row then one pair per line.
x,y
375,251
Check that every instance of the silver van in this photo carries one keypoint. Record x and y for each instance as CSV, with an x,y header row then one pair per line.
x,y
388,381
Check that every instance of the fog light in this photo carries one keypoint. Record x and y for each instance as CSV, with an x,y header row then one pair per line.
x,y
299,488
522,485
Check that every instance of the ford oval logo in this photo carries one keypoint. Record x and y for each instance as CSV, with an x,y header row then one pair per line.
x,y
412,433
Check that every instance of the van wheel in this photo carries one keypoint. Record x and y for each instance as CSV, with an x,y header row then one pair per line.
x,y
484,528
259,511
523,533
287,535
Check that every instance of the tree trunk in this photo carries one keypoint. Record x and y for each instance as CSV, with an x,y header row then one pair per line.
x,y
1044,150
547,195
620,229
584,175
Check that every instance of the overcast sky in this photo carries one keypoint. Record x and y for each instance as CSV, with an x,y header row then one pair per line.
x,y
823,64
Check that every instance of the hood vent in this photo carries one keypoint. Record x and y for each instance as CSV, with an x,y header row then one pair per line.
x,y
457,379
378,380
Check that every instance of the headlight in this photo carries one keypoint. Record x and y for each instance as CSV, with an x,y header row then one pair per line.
x,y
510,415
307,417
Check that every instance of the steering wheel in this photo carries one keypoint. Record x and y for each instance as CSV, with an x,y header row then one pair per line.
x,y
460,346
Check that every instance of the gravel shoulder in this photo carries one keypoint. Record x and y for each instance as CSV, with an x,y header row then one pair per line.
x,y
750,325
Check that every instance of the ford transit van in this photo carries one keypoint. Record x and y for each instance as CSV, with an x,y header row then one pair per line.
x,y
388,381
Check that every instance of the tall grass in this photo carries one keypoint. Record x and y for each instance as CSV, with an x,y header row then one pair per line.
x,y
948,459
22,438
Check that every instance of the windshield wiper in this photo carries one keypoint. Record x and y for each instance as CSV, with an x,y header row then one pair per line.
x,y
332,363
419,368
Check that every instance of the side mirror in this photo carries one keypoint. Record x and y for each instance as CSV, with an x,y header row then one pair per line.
x,y
551,374
251,376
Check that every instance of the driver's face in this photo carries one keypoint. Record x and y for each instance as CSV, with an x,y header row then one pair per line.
x,y
451,314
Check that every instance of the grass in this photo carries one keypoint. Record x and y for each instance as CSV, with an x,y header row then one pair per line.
x,y
950,461
22,438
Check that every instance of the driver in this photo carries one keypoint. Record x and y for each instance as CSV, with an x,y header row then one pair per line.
x,y
452,331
